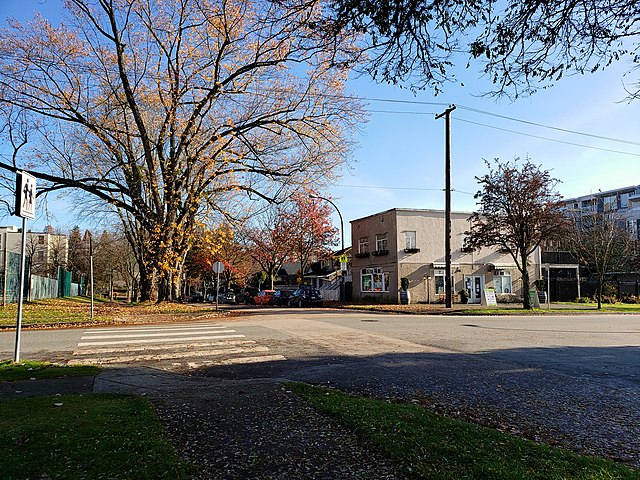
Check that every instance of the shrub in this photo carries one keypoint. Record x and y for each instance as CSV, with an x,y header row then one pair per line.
x,y
631,299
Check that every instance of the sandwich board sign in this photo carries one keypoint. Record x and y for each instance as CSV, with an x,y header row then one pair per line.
x,y
25,195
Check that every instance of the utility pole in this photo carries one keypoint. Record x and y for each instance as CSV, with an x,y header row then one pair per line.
x,y
447,204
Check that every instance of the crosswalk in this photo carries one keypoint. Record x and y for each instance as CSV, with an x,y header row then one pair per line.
x,y
176,346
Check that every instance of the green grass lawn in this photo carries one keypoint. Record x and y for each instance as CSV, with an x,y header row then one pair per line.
x,y
429,446
85,437
73,310
25,370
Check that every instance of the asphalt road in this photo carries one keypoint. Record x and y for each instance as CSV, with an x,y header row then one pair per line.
x,y
603,346
567,380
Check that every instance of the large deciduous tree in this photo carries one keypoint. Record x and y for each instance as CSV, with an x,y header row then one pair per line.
x,y
603,244
519,208
521,45
158,109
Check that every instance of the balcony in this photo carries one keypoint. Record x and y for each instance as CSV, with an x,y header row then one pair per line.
x,y
411,250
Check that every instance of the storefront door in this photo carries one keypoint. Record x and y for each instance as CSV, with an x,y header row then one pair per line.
x,y
474,285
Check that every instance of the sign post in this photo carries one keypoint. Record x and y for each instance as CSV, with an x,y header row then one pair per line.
x,y
25,207
218,268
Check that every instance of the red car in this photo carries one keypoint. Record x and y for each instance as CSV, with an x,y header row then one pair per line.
x,y
263,297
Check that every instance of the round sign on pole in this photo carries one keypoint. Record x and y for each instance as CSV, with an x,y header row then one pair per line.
x,y
218,267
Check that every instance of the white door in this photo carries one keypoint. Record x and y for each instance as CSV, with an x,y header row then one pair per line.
x,y
474,285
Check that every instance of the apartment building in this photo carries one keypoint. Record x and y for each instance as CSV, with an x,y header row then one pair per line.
x,y
46,250
567,280
624,201
397,243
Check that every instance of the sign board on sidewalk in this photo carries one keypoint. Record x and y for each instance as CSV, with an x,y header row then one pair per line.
x,y
25,195
218,267
489,297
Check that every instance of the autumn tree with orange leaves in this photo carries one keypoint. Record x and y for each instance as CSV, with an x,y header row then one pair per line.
x,y
268,241
163,110
311,233
219,244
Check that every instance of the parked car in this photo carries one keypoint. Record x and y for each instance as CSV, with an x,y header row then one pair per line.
x,y
280,298
227,297
262,298
246,295
196,297
305,296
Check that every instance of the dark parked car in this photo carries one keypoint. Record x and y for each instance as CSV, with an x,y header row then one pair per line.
x,y
227,297
280,298
246,295
306,296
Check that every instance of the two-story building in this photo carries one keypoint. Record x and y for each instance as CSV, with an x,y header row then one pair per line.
x,y
397,243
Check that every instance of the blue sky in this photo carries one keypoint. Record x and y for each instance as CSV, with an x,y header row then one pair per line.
x,y
400,158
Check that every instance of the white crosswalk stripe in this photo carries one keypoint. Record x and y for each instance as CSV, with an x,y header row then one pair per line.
x,y
175,346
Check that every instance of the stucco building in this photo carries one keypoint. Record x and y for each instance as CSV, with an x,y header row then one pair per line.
x,y
397,243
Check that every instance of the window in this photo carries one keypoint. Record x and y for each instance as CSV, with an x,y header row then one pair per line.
x,y
624,200
502,281
363,245
439,276
410,240
374,280
610,203
381,242
41,239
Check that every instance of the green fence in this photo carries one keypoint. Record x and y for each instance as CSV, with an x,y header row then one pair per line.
x,y
38,287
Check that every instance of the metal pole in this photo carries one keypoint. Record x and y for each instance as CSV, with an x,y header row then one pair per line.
x,y
217,288
447,190
548,288
91,271
5,266
341,236
16,357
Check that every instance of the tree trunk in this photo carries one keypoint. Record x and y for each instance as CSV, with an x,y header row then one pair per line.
x,y
599,292
146,284
526,299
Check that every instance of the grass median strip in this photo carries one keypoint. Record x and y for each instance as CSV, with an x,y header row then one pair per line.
x,y
77,310
434,447
91,436
27,369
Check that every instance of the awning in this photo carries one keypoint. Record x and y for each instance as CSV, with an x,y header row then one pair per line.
x,y
501,265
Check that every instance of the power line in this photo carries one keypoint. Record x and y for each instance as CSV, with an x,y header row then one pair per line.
x,y
420,189
527,122
549,139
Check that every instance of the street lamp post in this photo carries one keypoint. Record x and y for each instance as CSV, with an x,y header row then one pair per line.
x,y
341,237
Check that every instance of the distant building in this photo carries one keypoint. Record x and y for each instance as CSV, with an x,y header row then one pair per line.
x,y
567,280
397,243
46,251
625,201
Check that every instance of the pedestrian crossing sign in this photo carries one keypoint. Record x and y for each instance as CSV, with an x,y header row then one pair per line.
x,y
25,195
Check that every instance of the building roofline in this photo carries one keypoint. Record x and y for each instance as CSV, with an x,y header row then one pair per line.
x,y
602,194
416,210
